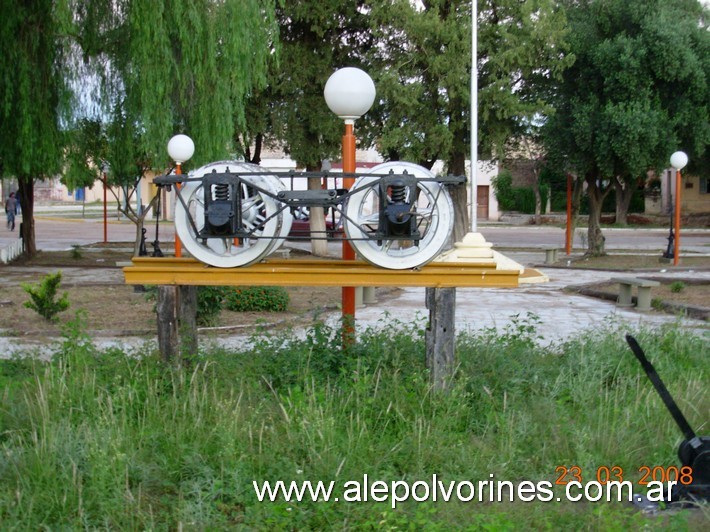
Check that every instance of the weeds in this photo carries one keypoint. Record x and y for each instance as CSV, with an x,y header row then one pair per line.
x,y
677,287
209,304
102,439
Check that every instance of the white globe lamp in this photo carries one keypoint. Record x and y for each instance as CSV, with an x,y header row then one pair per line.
x,y
181,148
349,93
678,160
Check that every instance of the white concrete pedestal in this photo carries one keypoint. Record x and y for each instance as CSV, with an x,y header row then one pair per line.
x,y
473,249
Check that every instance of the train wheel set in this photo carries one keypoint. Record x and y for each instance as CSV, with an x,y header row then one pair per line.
x,y
230,214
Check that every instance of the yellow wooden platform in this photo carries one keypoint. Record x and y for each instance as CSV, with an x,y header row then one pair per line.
x,y
315,272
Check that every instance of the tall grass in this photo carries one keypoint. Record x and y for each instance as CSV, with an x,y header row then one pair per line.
x,y
103,439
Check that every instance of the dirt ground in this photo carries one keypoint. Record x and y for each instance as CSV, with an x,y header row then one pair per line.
x,y
631,262
117,309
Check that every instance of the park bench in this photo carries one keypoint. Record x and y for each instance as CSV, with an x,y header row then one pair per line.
x,y
643,299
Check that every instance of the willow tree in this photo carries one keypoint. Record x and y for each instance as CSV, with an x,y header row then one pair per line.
x,y
34,97
166,67
422,65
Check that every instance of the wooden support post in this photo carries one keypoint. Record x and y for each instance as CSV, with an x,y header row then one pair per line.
x,y
187,322
441,336
167,322
177,322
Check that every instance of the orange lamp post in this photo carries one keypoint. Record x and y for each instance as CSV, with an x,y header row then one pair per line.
x,y
568,228
104,169
180,149
349,93
678,161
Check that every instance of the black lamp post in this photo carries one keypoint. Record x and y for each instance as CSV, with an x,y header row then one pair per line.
x,y
671,235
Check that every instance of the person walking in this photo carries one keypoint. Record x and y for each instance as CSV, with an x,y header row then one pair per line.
x,y
11,210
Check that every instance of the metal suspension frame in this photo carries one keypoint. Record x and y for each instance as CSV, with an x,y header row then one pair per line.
x,y
294,199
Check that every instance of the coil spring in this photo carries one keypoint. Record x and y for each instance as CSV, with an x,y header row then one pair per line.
x,y
398,193
221,192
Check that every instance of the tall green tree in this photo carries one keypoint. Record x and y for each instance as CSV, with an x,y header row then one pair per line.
x,y
639,90
422,65
34,96
315,39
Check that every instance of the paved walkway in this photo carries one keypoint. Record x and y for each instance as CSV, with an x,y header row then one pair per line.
x,y
557,314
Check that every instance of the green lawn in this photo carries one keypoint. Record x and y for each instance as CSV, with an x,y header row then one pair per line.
x,y
118,441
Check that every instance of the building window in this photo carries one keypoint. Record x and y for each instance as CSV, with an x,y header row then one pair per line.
x,y
704,185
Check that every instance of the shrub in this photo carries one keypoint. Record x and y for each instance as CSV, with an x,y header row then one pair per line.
x,y
43,296
75,252
518,199
257,298
677,287
209,303
503,187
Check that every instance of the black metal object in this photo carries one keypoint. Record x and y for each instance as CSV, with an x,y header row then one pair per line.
x,y
670,253
157,252
694,450
398,194
222,204
156,243
142,251
223,197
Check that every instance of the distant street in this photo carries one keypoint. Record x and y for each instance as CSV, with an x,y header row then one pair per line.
x,y
54,234
695,240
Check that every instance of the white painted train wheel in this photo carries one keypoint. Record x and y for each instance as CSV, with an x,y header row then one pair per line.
x,y
258,215
435,221
274,185
285,215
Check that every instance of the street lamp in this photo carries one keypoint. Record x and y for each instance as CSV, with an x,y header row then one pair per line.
x,y
180,149
349,93
678,161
